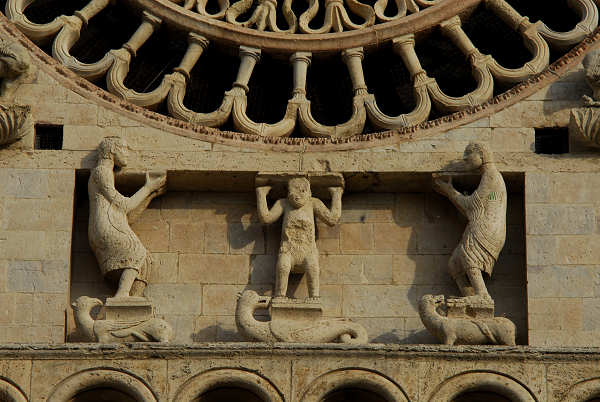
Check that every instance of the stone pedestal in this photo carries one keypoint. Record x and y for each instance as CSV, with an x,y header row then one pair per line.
x,y
469,307
128,309
295,310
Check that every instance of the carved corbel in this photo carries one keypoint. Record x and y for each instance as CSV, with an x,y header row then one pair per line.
x,y
336,16
532,40
242,122
120,67
485,82
405,47
197,45
69,35
39,33
588,12
356,123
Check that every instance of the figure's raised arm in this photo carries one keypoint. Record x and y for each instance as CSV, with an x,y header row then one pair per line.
x,y
330,216
264,214
461,202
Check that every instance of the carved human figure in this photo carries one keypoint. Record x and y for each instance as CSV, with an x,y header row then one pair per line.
x,y
14,66
298,251
591,66
485,233
121,255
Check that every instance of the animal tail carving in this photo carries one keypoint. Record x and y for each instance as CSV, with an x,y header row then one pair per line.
x,y
485,329
354,334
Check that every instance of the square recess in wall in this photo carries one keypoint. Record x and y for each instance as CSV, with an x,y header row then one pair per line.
x,y
48,136
553,140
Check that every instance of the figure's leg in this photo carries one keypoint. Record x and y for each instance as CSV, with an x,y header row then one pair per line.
x,y
477,282
458,274
126,282
282,274
312,271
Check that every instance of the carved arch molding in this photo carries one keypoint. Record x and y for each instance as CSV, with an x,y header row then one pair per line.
x,y
299,43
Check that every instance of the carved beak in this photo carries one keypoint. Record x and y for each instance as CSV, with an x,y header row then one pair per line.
x,y
264,301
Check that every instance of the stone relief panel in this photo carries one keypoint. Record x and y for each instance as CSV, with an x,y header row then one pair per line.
x,y
469,319
121,256
386,252
15,69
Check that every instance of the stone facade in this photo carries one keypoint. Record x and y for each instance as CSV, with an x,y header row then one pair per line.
x,y
387,250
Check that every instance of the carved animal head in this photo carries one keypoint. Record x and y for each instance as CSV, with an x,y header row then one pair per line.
x,y
431,299
299,191
85,304
251,298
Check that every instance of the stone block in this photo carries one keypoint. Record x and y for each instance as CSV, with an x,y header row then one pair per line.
x,y
391,237
149,139
513,139
83,114
383,330
186,237
205,329
543,219
23,308
537,187
379,301
262,269
591,314
7,308
175,298
438,238
576,250
156,241
49,308
222,299
227,330
24,183
557,281
246,238
535,114
547,314
164,268
409,209
541,250
214,269
57,245
356,237
215,238
420,270
174,206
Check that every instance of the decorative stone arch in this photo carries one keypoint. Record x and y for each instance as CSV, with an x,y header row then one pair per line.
x,y
10,392
583,391
100,378
354,378
228,377
482,381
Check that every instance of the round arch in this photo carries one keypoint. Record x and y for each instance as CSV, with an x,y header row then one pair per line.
x,y
11,392
227,377
354,378
102,378
583,391
482,381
